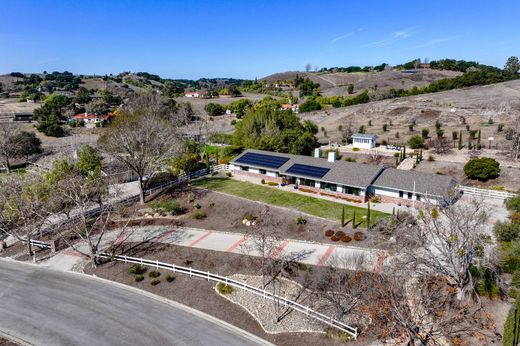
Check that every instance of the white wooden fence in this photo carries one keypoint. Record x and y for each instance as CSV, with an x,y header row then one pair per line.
x,y
486,193
240,285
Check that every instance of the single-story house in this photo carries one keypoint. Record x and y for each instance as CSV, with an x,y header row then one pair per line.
x,y
192,94
92,118
342,179
364,141
295,108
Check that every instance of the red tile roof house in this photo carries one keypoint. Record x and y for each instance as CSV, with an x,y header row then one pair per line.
x,y
92,119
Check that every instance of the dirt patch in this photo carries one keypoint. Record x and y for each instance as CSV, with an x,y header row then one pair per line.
x,y
226,213
198,293
398,111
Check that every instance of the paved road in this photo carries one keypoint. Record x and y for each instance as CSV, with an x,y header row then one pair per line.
x,y
47,307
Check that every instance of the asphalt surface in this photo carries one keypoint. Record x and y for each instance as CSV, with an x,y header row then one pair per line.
x,y
48,307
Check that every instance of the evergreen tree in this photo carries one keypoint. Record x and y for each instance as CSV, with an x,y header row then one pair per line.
x,y
459,146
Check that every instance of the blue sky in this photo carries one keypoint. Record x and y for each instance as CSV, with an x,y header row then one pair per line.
x,y
248,39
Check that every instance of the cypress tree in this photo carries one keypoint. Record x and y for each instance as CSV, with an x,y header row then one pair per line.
x,y
343,216
207,162
393,211
216,156
478,139
368,215
354,220
470,137
404,152
459,146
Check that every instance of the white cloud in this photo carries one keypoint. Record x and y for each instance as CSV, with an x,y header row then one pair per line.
x,y
394,37
336,39
437,41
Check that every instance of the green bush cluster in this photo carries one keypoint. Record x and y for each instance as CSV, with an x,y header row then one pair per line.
x,y
511,335
224,289
171,207
482,168
137,269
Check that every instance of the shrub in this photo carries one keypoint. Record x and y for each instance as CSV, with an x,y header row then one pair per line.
x,y
300,220
304,267
355,149
431,158
359,236
170,278
511,327
272,183
224,289
339,234
249,216
262,181
513,293
199,215
334,238
346,239
211,204
172,207
137,269
416,142
349,159
233,122
228,174
513,204
197,206
329,233
155,282
483,168
425,133
154,274
139,278
506,231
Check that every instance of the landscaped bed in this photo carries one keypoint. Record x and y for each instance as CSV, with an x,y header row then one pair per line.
x,y
199,293
306,204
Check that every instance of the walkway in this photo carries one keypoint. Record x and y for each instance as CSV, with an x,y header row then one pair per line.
x,y
337,255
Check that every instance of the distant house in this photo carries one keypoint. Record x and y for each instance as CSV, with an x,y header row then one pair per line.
x,y
191,94
295,108
92,118
364,141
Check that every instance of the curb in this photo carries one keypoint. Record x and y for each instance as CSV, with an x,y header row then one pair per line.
x,y
14,339
200,314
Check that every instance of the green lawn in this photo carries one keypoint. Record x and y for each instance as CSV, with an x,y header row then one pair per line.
x,y
307,204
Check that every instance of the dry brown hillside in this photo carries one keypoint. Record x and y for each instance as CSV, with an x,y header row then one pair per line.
x,y
336,83
474,105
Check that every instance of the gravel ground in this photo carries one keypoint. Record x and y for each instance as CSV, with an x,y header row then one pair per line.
x,y
264,309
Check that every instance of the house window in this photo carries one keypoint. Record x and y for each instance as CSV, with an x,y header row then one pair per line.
x,y
329,186
401,194
244,168
410,195
350,190
307,182
262,171
418,197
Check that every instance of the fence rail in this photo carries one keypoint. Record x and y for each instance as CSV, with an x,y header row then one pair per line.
x,y
237,284
486,192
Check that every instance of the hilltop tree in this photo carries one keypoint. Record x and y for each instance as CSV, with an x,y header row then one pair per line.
x,y
512,65
142,139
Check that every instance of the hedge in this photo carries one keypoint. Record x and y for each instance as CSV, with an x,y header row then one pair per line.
x,y
512,325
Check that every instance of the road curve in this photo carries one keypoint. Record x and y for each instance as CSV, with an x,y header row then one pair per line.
x,y
47,307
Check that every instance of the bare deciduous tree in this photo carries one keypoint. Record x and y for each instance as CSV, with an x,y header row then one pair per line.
x,y
79,196
8,147
446,242
24,206
142,139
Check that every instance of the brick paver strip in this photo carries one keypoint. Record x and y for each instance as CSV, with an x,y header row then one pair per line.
x,y
204,236
279,249
237,243
162,236
326,255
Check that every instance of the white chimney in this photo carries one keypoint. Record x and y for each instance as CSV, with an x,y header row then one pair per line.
x,y
332,156
317,152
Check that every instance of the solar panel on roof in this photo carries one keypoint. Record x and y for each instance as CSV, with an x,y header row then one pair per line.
x,y
308,171
262,160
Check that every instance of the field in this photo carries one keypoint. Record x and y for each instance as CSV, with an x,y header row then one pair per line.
x,y
306,204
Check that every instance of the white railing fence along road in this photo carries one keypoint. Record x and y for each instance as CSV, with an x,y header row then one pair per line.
x,y
237,284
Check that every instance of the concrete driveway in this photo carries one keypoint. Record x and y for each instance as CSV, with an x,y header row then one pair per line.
x,y
46,307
